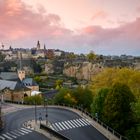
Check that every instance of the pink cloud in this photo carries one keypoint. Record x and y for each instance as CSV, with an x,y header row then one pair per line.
x,y
99,14
21,25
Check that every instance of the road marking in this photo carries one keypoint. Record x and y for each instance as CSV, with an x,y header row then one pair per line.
x,y
65,125
19,132
77,123
2,138
58,126
83,122
26,129
56,129
86,121
69,124
61,125
15,134
11,135
7,137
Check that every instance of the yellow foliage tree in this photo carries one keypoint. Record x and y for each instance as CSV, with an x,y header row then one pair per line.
x,y
109,76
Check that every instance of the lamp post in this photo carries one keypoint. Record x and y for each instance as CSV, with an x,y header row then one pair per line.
x,y
46,113
35,111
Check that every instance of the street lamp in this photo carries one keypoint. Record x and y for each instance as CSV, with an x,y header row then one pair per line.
x,y
46,113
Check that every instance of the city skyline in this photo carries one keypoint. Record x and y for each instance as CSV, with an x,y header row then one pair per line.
x,y
103,26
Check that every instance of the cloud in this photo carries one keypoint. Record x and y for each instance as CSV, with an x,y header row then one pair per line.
x,y
22,26
99,14
18,21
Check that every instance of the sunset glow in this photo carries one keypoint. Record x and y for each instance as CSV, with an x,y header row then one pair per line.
x,y
104,26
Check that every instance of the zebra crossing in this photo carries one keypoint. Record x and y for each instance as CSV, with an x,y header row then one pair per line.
x,y
69,124
15,134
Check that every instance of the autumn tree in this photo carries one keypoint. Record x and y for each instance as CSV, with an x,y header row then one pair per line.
x,y
109,76
117,107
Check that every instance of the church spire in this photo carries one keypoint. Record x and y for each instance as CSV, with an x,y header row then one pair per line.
x,y
38,45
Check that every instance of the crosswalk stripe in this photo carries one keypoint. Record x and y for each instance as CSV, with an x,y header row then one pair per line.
x,y
15,134
2,138
71,124
11,135
65,125
86,121
52,127
74,123
77,123
83,122
26,129
19,132
23,131
58,126
7,137
61,125
55,127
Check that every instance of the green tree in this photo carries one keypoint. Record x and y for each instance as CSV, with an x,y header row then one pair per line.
x,y
97,105
83,96
91,56
117,107
64,97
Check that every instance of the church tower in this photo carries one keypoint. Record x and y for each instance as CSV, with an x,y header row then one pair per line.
x,y
38,45
21,72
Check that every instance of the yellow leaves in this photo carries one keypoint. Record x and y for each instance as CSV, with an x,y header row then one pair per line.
x,y
109,76
70,98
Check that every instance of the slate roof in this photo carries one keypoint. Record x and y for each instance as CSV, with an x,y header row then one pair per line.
x,y
29,82
8,75
12,85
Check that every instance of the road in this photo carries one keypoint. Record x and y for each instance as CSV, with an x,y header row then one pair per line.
x,y
64,121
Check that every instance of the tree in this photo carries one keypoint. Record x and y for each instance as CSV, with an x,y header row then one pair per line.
x,y
117,107
91,56
84,97
64,97
97,105
109,76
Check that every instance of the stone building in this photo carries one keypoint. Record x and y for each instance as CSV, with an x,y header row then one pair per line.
x,y
18,87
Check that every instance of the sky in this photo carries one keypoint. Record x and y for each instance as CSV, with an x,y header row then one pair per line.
x,y
109,27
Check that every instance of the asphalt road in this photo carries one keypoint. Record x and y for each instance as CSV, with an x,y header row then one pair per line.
x,y
64,121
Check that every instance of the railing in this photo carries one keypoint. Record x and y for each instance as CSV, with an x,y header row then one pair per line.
x,y
95,119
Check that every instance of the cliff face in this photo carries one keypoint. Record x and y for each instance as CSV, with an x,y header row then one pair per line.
x,y
83,70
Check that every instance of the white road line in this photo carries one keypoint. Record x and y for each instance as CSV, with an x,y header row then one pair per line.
x,y
19,132
26,129
2,138
23,131
15,133
7,137
58,126
61,125
11,135
74,123
71,124
80,122
83,122
52,128
86,121
77,123
65,125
